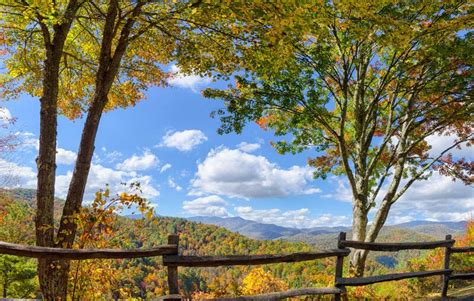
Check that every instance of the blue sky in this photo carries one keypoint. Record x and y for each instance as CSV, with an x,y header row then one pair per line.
x,y
169,143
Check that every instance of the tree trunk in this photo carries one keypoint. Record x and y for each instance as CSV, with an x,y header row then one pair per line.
x,y
46,163
67,230
359,230
108,68
54,275
51,287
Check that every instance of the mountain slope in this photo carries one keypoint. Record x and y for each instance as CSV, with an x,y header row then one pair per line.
x,y
246,227
269,231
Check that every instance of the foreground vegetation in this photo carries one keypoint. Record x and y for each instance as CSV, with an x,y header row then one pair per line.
x,y
364,84
146,278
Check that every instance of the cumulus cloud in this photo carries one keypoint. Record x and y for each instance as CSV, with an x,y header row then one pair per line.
x,y
113,156
65,157
234,173
145,161
248,147
165,167
15,175
441,142
100,176
438,198
293,218
5,116
183,140
212,205
311,190
28,140
173,184
193,82
339,190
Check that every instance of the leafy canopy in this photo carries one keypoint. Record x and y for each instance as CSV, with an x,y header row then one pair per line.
x,y
164,32
364,83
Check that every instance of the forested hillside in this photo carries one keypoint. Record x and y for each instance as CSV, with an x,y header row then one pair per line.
x,y
146,278
258,230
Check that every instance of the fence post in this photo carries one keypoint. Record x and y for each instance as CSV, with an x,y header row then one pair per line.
x,y
447,258
173,239
339,265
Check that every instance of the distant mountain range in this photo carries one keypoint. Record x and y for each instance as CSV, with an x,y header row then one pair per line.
x,y
421,230
269,231
318,237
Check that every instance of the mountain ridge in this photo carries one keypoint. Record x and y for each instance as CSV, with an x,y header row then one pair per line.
x,y
258,230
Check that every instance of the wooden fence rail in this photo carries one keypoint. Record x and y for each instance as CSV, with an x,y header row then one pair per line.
x,y
454,276
82,254
393,247
176,260
214,261
172,260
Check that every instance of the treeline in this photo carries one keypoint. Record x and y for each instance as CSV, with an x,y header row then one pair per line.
x,y
101,227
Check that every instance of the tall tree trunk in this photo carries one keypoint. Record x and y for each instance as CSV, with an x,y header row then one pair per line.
x,y
359,230
360,218
51,288
46,163
109,65
67,230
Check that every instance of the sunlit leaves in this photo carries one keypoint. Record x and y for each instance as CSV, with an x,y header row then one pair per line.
x,y
17,274
259,281
350,76
159,36
98,228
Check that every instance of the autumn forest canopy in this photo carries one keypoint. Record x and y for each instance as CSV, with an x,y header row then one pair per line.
x,y
365,91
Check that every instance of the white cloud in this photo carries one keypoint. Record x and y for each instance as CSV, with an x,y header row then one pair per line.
x,y
165,167
342,191
441,142
5,116
66,157
100,176
183,141
293,218
113,156
181,80
148,190
438,198
145,161
311,190
29,140
248,147
212,205
234,173
172,184
15,175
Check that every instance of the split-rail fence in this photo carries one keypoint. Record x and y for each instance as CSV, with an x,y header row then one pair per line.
x,y
172,260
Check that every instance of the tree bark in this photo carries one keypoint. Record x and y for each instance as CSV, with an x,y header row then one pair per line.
x,y
46,160
109,65
67,230
359,230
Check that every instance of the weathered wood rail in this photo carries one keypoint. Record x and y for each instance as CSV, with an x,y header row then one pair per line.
x,y
82,254
172,260
176,260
